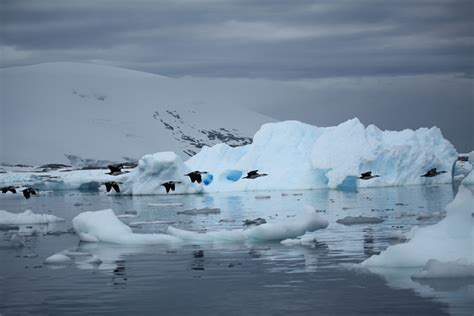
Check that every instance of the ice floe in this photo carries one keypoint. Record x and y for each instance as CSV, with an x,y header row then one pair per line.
x,y
27,217
451,239
435,269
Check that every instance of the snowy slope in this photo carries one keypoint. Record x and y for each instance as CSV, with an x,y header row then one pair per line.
x,y
101,112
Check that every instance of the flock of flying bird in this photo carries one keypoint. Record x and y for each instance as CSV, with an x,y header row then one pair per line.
x,y
195,176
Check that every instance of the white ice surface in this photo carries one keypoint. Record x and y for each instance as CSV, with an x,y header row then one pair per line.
x,y
435,269
309,222
104,226
58,258
298,156
451,239
27,217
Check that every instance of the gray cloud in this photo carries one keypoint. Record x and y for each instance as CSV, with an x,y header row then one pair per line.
x,y
386,58
268,39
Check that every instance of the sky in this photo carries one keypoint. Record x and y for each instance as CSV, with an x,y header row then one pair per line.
x,y
396,64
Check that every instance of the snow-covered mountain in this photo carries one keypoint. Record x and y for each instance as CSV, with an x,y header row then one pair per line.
x,y
101,112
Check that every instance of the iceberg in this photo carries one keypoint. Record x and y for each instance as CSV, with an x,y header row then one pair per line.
x,y
449,240
310,222
299,156
155,169
27,217
104,226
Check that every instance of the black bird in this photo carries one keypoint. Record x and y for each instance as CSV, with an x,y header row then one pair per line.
x,y
112,184
170,185
115,170
254,174
10,188
195,176
368,175
27,192
432,173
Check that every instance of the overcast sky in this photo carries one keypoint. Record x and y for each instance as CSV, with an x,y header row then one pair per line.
x,y
393,63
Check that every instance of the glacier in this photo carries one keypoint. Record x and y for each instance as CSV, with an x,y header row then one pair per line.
x,y
299,156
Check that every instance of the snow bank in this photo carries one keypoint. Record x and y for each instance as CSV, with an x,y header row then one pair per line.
x,y
155,169
450,239
27,217
104,226
265,232
298,156
435,269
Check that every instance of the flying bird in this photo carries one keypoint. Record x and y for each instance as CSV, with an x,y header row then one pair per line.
x,y
368,175
112,185
254,174
10,188
27,192
170,185
115,170
195,176
432,173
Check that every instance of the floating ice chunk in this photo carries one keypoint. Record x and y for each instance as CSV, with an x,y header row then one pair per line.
x,y
450,239
262,197
93,260
355,220
104,226
305,240
435,269
201,211
426,216
396,235
27,217
165,204
132,224
265,232
58,258
127,216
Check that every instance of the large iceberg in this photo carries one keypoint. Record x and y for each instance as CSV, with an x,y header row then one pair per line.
x,y
298,156
449,240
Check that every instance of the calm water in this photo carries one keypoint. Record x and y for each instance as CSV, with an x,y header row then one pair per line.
x,y
233,279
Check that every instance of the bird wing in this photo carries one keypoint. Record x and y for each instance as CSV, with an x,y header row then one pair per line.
x,y
116,187
366,174
12,190
198,178
167,187
4,190
26,193
32,191
172,186
108,186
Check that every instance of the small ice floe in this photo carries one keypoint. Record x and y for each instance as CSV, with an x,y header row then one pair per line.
x,y
427,216
104,226
254,222
93,260
133,224
27,217
356,220
305,240
127,216
265,232
165,204
435,269
58,259
396,235
201,211
227,220
262,197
